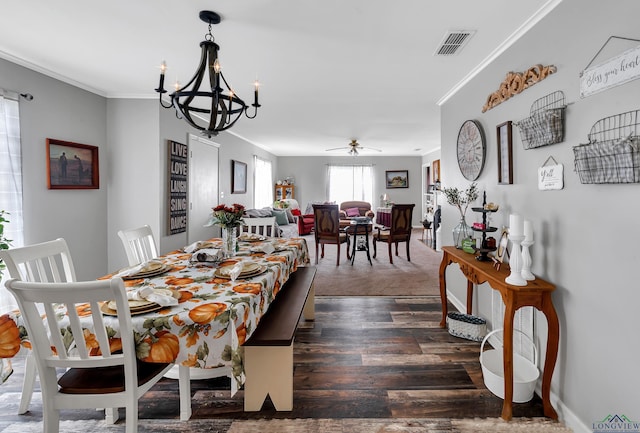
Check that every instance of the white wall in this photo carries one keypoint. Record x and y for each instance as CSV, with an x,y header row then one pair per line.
x,y
585,242
134,176
67,113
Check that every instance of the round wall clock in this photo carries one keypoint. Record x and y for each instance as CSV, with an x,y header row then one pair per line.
x,y
471,149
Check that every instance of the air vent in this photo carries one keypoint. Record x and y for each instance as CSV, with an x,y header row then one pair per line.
x,y
453,42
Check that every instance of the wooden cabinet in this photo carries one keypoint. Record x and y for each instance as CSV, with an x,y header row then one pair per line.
x,y
284,191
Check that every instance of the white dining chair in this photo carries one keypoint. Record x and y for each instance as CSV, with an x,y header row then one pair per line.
x,y
265,226
93,378
139,244
44,262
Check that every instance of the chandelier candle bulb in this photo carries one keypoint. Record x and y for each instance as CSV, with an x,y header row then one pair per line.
x,y
255,93
515,225
163,68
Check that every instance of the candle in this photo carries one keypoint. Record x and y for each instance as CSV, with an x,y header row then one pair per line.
x,y
256,84
163,68
515,225
528,231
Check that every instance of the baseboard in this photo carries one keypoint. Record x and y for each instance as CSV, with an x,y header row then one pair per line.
x,y
460,305
566,415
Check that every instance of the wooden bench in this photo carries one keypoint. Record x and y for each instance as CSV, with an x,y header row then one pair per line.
x,y
268,353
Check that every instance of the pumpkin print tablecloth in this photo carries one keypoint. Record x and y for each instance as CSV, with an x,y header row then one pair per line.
x,y
214,316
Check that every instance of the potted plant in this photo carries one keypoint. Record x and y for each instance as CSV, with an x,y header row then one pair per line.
x,y
4,242
461,199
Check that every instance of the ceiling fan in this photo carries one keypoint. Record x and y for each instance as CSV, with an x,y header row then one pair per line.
x,y
354,147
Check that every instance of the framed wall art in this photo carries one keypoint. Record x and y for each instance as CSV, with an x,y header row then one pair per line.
x,y
397,178
505,157
238,177
435,170
72,165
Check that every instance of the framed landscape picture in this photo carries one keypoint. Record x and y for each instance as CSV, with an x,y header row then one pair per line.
x,y
72,165
397,178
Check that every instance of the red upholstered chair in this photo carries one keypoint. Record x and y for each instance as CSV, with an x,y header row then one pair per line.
x,y
305,224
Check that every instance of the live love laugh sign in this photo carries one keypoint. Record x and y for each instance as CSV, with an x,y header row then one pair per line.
x,y
614,72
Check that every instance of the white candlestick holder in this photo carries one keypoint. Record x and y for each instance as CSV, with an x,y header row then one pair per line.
x,y
526,261
515,263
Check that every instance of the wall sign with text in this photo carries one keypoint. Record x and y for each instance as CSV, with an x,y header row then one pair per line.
x,y
614,72
178,187
551,177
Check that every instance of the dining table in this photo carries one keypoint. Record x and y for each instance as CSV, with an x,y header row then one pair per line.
x,y
214,314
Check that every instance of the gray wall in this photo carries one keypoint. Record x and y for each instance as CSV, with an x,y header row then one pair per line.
x,y
584,242
310,175
67,113
134,177
139,132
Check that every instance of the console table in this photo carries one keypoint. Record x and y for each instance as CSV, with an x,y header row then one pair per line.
x,y
536,293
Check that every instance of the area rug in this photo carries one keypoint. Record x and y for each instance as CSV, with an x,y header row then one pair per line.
x,y
369,425
418,277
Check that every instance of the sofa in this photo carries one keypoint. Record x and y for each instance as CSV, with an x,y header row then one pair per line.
x,y
352,209
286,224
305,222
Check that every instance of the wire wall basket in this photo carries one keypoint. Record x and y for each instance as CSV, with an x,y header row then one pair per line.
x,y
613,152
545,124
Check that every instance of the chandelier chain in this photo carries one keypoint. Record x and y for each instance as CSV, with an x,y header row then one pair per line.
x,y
209,36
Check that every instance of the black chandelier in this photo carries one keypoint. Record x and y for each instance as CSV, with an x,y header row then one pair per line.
x,y
213,108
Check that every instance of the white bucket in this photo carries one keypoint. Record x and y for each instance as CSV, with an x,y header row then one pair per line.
x,y
525,373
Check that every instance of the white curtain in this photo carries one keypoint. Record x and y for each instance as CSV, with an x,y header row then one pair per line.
x,y
350,182
262,183
10,180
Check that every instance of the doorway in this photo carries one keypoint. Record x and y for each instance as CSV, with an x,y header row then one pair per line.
x,y
203,187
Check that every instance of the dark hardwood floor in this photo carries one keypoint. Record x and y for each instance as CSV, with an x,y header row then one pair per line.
x,y
363,357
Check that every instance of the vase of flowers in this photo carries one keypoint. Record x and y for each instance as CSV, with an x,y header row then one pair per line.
x,y
461,200
229,219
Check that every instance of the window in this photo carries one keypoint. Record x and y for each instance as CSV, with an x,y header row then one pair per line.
x,y
350,182
10,179
262,183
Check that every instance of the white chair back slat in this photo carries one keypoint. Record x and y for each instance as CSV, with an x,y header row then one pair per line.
x,y
52,325
55,273
44,262
101,331
265,226
139,244
76,330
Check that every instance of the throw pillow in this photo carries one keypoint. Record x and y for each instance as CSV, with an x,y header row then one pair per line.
x,y
258,213
296,212
290,217
281,217
353,212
